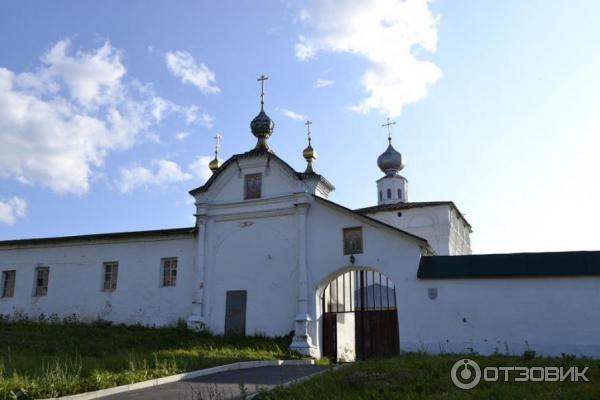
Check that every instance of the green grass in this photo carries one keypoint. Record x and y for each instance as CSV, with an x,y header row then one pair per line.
x,y
46,360
418,376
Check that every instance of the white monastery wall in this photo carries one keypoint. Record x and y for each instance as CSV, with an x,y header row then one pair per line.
x,y
548,315
76,278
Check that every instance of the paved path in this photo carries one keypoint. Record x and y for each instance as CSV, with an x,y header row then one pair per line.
x,y
222,385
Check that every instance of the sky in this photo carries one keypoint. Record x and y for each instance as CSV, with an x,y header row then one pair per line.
x,y
108,109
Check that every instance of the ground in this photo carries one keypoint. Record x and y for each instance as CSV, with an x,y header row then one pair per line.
x,y
49,359
425,377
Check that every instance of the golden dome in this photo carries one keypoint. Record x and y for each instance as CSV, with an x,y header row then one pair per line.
x,y
309,153
214,165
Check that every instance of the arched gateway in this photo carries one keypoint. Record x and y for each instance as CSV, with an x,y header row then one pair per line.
x,y
360,318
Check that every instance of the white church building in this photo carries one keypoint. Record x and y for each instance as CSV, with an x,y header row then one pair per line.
x,y
270,254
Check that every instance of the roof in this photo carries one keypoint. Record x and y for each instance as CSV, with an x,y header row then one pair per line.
x,y
573,263
101,236
407,205
373,220
258,153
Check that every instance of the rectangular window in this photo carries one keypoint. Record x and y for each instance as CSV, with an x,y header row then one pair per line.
x,y
111,271
8,283
41,281
169,271
252,186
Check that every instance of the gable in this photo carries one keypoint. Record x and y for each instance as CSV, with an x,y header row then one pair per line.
x,y
277,178
365,220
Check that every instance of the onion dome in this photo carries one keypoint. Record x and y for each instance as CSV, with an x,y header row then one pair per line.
x,y
309,153
262,128
390,161
214,165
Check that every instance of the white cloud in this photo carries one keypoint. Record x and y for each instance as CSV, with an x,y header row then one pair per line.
x,y
57,124
162,173
293,115
200,167
322,83
193,115
183,66
181,136
12,209
304,51
387,33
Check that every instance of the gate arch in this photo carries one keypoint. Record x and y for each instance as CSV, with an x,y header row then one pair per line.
x,y
360,317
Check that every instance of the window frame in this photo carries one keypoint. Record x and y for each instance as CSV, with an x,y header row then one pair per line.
x,y
37,292
110,285
255,194
168,279
5,274
346,236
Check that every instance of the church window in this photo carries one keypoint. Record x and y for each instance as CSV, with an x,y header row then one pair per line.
x,y
8,283
353,241
169,271
380,195
389,193
111,270
399,193
252,186
41,281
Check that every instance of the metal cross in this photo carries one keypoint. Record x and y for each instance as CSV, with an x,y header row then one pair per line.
x,y
217,142
308,124
388,125
262,80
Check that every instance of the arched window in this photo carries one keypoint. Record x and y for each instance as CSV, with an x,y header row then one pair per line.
x,y
400,194
389,193
380,195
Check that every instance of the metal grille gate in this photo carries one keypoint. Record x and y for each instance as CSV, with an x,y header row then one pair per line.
x,y
371,298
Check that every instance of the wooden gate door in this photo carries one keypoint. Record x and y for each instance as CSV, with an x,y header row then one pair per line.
x,y
371,297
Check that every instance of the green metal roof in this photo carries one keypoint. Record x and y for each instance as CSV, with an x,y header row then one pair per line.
x,y
571,263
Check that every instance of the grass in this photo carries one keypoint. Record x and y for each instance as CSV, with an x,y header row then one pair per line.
x,y
419,376
47,360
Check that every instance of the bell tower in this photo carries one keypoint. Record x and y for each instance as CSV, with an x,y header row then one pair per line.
x,y
392,188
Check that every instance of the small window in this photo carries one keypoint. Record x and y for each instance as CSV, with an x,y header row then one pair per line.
x,y
169,271
111,271
400,193
389,193
41,281
8,283
252,186
353,241
380,195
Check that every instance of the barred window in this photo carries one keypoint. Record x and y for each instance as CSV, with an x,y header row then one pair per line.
x,y
41,281
8,283
169,271
111,270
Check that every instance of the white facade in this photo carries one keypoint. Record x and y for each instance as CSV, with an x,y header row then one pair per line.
x,y
75,280
283,248
392,189
441,224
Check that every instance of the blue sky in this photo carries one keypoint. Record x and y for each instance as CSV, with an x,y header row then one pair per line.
x,y
108,109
